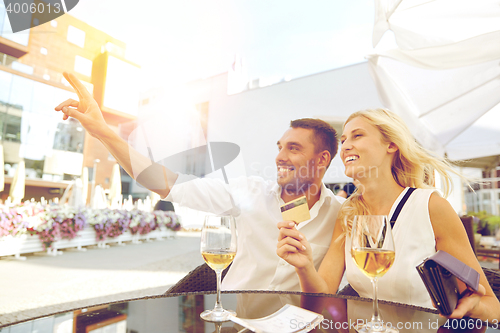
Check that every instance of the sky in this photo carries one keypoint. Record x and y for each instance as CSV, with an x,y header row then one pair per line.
x,y
179,41
176,41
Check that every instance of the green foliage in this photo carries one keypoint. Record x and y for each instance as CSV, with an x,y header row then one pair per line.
x,y
491,221
481,215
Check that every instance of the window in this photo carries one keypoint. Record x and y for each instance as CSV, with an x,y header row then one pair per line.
x,y
34,168
28,129
21,94
21,37
68,137
12,128
42,98
2,15
83,66
76,36
22,68
5,82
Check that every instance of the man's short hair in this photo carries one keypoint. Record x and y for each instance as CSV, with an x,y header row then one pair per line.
x,y
324,135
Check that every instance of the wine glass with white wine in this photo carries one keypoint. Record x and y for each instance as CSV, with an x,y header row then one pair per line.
x,y
218,248
372,248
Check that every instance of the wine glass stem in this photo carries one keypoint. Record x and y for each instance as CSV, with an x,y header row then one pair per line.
x,y
376,321
218,304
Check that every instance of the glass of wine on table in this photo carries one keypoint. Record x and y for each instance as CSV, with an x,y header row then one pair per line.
x,y
218,248
372,249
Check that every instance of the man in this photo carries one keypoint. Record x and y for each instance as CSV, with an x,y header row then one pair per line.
x,y
304,153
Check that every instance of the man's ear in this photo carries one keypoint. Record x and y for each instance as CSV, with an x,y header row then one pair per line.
x,y
324,158
392,148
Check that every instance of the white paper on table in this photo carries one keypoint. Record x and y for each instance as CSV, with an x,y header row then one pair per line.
x,y
288,319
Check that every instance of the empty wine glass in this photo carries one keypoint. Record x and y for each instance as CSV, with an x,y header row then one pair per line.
x,y
372,249
218,248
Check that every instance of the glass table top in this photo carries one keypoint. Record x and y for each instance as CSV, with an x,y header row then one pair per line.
x,y
181,313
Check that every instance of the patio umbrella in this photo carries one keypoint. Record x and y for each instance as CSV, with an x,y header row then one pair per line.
x,y
85,185
2,175
155,197
75,198
16,193
115,188
420,24
443,77
99,199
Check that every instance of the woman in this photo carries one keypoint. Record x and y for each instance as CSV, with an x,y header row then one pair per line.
x,y
380,154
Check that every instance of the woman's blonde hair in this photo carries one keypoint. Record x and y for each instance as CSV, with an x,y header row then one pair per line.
x,y
412,166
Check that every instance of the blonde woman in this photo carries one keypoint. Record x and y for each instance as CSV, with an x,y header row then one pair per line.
x,y
380,154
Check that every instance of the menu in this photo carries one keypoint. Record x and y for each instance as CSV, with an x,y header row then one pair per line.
x,y
288,319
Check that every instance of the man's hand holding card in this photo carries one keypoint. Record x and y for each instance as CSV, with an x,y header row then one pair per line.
x,y
296,210
292,245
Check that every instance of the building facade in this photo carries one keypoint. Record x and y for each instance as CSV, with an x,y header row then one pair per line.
x,y
485,194
32,84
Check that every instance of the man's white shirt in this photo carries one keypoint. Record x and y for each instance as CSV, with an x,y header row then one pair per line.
x,y
255,204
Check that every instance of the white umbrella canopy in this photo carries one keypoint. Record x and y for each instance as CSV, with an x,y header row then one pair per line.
x,y
438,105
16,193
115,188
444,77
479,140
419,24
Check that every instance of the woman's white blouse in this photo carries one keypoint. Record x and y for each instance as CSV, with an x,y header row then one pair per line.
x,y
414,241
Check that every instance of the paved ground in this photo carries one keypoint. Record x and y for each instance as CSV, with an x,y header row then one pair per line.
x,y
44,284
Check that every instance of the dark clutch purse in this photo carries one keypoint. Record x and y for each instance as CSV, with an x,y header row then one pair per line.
x,y
439,273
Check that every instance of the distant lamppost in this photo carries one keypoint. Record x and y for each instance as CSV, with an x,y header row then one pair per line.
x,y
94,174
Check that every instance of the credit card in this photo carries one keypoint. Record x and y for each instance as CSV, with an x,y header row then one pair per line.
x,y
296,210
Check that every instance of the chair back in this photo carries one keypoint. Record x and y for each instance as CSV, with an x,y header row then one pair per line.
x,y
202,278
493,277
468,223
348,290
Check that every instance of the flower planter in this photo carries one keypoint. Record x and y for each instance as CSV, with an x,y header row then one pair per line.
x,y
10,245
84,237
53,225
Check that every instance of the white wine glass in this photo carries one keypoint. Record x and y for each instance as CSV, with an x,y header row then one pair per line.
x,y
372,249
218,248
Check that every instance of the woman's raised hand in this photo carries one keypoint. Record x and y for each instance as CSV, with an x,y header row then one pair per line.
x,y
85,110
293,246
